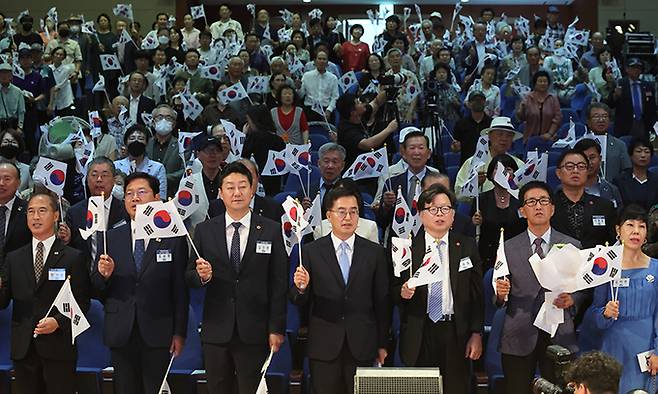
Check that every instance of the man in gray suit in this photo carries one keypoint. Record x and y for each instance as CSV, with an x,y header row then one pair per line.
x,y
523,345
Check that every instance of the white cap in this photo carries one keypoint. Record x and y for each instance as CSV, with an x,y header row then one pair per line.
x,y
407,130
436,14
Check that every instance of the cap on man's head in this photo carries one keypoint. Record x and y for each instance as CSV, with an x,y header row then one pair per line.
x,y
475,94
502,123
635,62
5,67
409,132
436,14
24,52
202,141
553,10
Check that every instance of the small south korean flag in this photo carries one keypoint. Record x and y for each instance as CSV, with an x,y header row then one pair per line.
x,y
197,12
234,93
211,72
110,62
158,219
51,173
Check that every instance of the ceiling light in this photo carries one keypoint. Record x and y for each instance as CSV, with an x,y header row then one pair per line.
x,y
306,1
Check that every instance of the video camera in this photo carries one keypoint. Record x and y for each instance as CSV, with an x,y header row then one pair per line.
x,y
555,382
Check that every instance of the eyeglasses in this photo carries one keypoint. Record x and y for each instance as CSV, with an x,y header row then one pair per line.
x,y
531,202
600,117
139,193
342,213
435,210
572,166
167,117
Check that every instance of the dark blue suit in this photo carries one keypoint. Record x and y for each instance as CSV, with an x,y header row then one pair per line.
x,y
143,310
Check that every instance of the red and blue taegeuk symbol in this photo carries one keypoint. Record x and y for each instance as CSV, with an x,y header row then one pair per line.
x,y
184,198
280,164
186,142
600,266
302,158
287,229
162,219
400,215
90,219
57,177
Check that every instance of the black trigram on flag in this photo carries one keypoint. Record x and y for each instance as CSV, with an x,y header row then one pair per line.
x,y
587,278
174,229
479,154
612,254
294,151
535,174
181,211
379,168
590,257
148,229
67,307
93,203
272,171
613,272
377,154
148,210
498,265
432,269
48,166
189,184
76,319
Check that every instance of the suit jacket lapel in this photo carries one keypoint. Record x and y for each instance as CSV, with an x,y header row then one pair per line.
x,y
149,255
355,266
454,257
332,259
16,209
418,250
255,229
51,260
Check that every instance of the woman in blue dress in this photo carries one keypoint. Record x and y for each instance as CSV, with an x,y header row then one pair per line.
x,y
629,323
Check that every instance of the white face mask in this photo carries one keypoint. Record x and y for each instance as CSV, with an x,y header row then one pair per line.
x,y
117,192
163,127
163,40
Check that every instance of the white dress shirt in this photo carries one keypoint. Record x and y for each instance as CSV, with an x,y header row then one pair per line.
x,y
448,301
47,245
545,246
134,105
9,205
320,87
350,246
244,232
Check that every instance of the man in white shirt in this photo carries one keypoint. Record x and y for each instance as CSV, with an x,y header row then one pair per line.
x,y
319,86
225,23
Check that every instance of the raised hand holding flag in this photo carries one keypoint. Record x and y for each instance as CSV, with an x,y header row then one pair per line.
x,y
158,219
95,218
67,305
505,180
500,269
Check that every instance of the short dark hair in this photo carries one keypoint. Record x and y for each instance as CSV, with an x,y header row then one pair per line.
x,y
106,16
50,196
102,160
587,143
412,135
159,14
632,212
378,56
345,105
193,51
535,185
356,26
519,39
487,9
596,370
17,136
596,105
293,90
635,142
344,189
142,54
314,22
572,151
439,66
136,72
428,195
132,129
52,51
504,159
205,33
261,117
251,34
235,168
153,182
538,74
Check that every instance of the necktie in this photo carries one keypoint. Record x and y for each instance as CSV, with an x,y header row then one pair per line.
x,y
435,296
235,247
3,224
412,189
38,262
637,101
344,260
537,247
138,254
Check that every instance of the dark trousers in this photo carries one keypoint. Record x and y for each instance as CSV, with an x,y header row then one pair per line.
x,y
36,375
138,368
442,348
336,376
519,371
234,363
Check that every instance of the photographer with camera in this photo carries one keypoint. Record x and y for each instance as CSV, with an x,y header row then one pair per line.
x,y
594,373
406,103
441,97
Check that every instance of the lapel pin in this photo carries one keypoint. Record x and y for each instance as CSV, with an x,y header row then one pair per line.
x,y
457,243
258,227
650,278
56,253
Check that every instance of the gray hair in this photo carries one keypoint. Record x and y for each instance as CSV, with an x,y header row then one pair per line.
x,y
426,22
393,50
332,147
102,160
166,106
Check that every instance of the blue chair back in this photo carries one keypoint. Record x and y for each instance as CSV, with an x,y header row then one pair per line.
x,y
452,159
489,308
452,173
553,157
292,183
551,178
315,157
5,338
317,140
93,355
568,113
191,358
492,359
538,143
281,197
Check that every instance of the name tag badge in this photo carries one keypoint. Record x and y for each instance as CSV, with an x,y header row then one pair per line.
x,y
163,256
465,264
264,247
621,282
598,220
57,274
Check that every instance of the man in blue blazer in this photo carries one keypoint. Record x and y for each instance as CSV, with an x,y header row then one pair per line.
x,y
141,284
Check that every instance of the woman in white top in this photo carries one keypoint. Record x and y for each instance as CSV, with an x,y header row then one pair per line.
x,y
491,91
61,95
562,72
604,76
190,33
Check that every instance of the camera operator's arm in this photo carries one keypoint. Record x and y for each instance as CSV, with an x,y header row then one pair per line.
x,y
377,102
378,139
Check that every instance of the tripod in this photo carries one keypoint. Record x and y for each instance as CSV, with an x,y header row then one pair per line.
x,y
433,121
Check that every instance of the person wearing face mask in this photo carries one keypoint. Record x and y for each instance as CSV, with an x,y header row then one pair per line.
x,y
164,147
72,48
84,41
135,139
164,44
25,34
11,145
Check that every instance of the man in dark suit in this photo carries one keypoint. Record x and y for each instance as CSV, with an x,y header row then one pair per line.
x,y
261,206
635,103
523,346
331,162
100,179
14,232
142,286
441,325
44,358
138,103
582,216
344,282
244,268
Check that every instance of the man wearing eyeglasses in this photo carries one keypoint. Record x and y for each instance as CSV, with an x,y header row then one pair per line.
x,y
523,346
580,215
616,156
100,179
441,323
344,282
141,283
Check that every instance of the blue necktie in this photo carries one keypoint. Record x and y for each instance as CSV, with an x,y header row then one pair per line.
x,y
637,101
138,254
235,247
344,260
435,296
